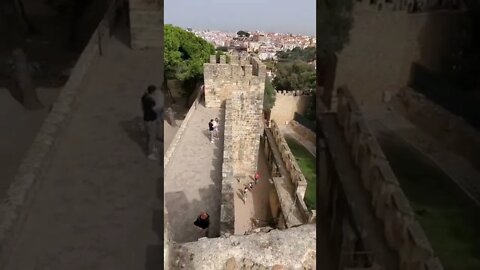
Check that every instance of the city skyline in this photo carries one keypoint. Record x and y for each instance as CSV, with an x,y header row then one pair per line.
x,y
235,31
279,16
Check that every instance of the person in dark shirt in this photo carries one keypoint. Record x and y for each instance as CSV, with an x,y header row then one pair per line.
x,y
211,129
203,221
150,119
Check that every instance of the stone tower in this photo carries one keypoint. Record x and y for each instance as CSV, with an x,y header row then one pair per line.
x,y
239,87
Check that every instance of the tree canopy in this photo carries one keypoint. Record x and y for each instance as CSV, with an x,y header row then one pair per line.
x,y
269,96
222,48
184,54
242,33
334,21
308,54
295,75
293,72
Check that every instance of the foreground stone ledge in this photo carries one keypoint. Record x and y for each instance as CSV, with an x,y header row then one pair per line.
x,y
294,248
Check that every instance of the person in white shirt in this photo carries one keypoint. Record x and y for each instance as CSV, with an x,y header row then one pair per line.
x,y
215,127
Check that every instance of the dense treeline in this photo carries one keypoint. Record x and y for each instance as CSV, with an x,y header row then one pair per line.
x,y
294,71
185,53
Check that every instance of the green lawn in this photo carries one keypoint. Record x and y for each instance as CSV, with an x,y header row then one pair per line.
x,y
450,219
306,161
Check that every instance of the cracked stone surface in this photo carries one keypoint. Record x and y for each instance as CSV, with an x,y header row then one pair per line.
x,y
288,249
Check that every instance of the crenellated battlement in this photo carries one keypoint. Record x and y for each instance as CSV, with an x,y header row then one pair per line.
x,y
240,74
237,66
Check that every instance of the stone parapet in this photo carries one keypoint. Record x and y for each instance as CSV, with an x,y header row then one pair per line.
x,y
293,169
263,249
227,210
402,231
303,131
241,74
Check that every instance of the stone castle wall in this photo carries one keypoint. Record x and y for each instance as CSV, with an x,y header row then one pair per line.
x,y
242,81
384,44
239,86
227,210
287,103
303,131
403,233
242,75
455,134
146,24
286,249
294,171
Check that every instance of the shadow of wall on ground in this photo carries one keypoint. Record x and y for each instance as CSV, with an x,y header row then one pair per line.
x,y
216,175
262,211
182,212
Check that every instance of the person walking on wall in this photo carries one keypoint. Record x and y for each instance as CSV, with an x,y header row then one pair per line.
x,y
216,123
256,177
150,119
245,191
211,129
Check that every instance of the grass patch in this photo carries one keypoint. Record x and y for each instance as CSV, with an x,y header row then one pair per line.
x,y
450,219
307,164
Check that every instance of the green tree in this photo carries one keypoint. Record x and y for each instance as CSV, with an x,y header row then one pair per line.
x,y
269,96
222,48
184,54
308,54
296,75
270,64
334,22
242,33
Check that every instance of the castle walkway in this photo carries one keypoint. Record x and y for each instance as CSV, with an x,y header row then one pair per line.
x,y
193,177
97,204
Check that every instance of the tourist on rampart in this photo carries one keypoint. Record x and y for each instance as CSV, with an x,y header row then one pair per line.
x,y
216,123
150,119
211,129
203,221
256,177
245,190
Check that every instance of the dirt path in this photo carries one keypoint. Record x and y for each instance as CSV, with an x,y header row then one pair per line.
x,y
255,211
97,205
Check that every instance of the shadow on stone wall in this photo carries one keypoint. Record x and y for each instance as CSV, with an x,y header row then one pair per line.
x,y
401,229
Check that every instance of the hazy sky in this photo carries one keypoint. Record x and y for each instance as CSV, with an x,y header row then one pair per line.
x,y
232,15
